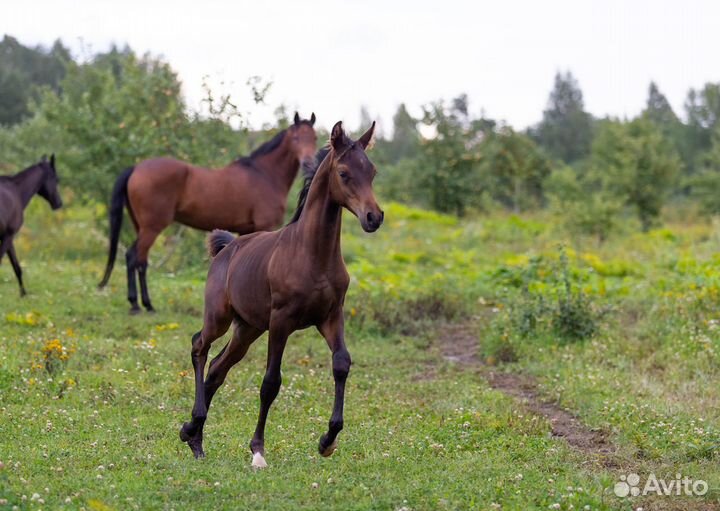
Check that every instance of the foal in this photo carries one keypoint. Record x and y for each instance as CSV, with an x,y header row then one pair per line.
x,y
15,194
284,281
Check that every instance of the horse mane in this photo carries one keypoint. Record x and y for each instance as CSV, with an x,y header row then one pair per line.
x,y
309,174
267,147
14,177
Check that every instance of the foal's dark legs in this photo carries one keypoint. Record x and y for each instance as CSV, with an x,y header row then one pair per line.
x,y
243,336
334,332
131,264
16,267
269,388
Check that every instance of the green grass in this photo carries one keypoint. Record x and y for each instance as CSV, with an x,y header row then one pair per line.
x,y
420,433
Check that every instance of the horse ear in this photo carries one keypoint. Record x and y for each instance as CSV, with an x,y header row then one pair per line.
x,y
338,139
366,139
297,118
312,119
52,160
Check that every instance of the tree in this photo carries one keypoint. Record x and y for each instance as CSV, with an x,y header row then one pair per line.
x,y
659,112
633,161
447,167
405,141
566,129
658,109
512,169
22,71
585,207
114,112
703,112
705,185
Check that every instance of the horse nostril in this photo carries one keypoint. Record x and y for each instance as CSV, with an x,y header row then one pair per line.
x,y
370,218
382,215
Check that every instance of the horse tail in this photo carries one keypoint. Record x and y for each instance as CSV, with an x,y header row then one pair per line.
x,y
218,240
117,204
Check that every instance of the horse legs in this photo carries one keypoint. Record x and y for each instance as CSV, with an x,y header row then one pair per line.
x,y
16,267
243,336
215,326
5,242
334,332
269,388
131,265
146,238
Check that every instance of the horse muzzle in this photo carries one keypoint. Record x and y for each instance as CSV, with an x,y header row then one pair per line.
x,y
372,220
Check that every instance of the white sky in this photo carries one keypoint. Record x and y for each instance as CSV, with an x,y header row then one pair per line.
x,y
331,57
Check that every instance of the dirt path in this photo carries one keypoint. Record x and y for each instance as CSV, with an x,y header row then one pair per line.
x,y
459,344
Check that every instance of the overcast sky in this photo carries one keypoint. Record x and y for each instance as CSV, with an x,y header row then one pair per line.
x,y
331,57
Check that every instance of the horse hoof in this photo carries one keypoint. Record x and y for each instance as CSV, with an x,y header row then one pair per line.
x,y
150,309
184,435
258,461
329,449
134,310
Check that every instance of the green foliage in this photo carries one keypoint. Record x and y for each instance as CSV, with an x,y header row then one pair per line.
x,y
703,112
705,185
566,129
115,112
405,142
446,170
22,70
513,169
470,164
583,205
634,161
551,303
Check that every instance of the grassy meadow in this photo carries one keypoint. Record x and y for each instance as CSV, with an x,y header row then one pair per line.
x,y
623,335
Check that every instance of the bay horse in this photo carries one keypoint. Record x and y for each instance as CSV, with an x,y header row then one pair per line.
x,y
248,195
284,281
15,194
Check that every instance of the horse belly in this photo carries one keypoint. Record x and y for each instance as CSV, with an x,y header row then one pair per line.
x,y
210,205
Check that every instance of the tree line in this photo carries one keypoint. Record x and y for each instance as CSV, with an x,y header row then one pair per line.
x,y
597,172
117,108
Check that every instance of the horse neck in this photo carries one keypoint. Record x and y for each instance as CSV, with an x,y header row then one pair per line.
x,y
320,222
281,165
28,183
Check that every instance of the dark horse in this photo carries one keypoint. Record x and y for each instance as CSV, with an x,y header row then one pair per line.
x,y
15,194
284,281
246,196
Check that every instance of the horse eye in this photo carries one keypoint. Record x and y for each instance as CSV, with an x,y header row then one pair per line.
x,y
345,176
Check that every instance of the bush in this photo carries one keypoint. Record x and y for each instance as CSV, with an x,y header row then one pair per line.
x,y
550,304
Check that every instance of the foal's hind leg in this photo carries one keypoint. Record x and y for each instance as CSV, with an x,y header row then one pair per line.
x,y
243,336
16,267
217,322
334,332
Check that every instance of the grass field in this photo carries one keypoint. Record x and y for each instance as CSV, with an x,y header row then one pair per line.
x,y
92,399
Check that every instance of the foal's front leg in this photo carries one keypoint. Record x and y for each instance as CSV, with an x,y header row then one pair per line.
x,y
279,332
334,332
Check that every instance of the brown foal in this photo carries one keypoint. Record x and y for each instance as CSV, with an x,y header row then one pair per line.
x,y
248,195
284,281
